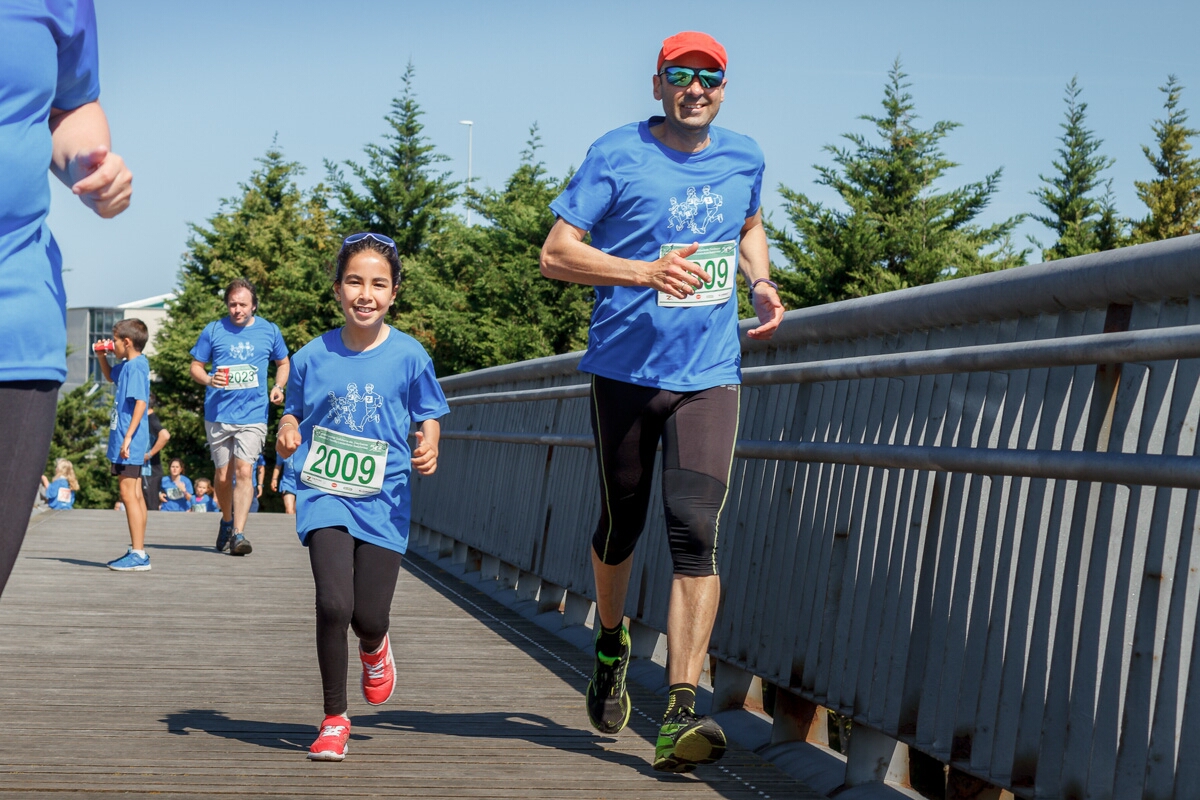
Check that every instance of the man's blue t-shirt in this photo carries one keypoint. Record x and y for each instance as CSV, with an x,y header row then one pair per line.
x,y
176,499
246,352
205,504
287,476
48,59
59,494
362,406
636,195
133,383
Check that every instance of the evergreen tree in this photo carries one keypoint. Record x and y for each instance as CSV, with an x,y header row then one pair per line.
x,y
281,240
897,229
477,298
1173,197
397,192
1082,222
81,437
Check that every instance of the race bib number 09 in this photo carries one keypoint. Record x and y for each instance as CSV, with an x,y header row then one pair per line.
x,y
349,466
719,260
241,376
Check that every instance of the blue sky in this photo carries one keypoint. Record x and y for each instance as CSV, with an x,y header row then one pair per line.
x,y
196,91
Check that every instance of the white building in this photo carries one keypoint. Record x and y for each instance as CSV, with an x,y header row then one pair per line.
x,y
85,326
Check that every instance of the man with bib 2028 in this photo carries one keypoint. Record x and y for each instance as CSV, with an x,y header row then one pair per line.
x,y
673,208
238,346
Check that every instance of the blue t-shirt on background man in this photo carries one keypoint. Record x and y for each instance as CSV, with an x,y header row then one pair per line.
x,y
287,476
48,59
132,379
176,499
59,494
365,405
634,195
246,351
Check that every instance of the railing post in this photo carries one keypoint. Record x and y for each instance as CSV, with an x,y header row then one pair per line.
x,y
875,757
798,720
734,687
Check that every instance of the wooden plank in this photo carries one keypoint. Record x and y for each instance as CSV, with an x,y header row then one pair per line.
x,y
199,679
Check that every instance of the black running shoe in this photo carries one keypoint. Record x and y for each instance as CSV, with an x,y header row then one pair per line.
x,y
239,545
685,740
608,705
223,533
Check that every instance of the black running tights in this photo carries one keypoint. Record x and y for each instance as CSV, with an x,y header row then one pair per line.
x,y
26,427
355,582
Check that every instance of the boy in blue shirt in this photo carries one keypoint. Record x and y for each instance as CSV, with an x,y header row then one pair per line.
x,y
129,434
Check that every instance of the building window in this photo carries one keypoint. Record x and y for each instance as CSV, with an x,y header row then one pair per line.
x,y
100,325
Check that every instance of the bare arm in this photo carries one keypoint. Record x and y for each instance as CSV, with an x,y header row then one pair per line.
x,y
755,262
200,375
425,456
164,436
81,159
288,437
283,369
566,257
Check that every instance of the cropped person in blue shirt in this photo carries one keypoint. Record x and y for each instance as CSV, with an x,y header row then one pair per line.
x,y
239,347
354,394
673,208
176,488
50,120
60,492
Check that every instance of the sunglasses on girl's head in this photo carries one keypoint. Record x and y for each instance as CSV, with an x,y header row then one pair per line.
x,y
354,238
683,76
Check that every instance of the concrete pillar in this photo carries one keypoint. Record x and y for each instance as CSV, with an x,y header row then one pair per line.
x,y
734,687
576,610
875,757
798,720
550,598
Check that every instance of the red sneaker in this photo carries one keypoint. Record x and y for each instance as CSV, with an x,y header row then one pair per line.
x,y
331,742
379,674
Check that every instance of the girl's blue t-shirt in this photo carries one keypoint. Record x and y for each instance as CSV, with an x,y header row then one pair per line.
x,y
59,494
635,195
48,59
205,504
365,405
176,499
246,351
132,379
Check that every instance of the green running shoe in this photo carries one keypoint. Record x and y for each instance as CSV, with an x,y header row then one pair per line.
x,y
608,705
685,740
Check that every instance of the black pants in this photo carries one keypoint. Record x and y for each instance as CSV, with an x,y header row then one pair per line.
x,y
355,582
698,431
26,427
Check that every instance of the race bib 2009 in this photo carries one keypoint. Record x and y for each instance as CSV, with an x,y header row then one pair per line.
x,y
719,260
345,465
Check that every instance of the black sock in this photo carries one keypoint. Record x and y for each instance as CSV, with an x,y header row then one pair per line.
x,y
609,641
681,695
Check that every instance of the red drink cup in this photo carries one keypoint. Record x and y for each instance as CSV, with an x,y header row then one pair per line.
x,y
223,371
103,347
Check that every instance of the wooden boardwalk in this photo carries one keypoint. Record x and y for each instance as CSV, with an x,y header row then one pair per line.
x,y
199,679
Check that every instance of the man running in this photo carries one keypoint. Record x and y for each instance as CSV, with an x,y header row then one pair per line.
x,y
235,406
664,354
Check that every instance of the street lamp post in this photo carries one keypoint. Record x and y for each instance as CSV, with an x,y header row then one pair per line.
x,y
470,131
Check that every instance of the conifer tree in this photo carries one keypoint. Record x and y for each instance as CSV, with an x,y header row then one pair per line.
x,y
897,229
1173,197
1082,222
281,240
398,192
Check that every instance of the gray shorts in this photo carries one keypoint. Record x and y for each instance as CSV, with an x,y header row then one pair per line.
x,y
226,441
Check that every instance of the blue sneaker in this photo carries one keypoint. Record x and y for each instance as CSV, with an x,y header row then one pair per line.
x,y
130,562
224,533
239,545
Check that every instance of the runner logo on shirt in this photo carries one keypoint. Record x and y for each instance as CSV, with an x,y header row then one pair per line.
x,y
696,212
345,409
242,351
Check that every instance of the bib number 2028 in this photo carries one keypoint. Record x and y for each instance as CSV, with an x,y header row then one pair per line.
x,y
350,466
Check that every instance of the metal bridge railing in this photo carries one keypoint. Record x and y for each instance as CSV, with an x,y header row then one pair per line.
x,y
962,515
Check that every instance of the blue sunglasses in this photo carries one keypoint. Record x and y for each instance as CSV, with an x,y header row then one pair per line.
x,y
355,238
683,76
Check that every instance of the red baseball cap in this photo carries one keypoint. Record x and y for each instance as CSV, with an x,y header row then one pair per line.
x,y
691,42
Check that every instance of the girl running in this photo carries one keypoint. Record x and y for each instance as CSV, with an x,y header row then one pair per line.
x,y
60,492
352,398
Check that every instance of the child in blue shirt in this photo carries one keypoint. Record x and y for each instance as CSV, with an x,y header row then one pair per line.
x,y
283,480
60,492
203,501
353,396
176,492
128,432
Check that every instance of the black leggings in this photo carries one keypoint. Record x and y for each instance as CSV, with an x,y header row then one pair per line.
x,y
26,427
355,582
698,431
